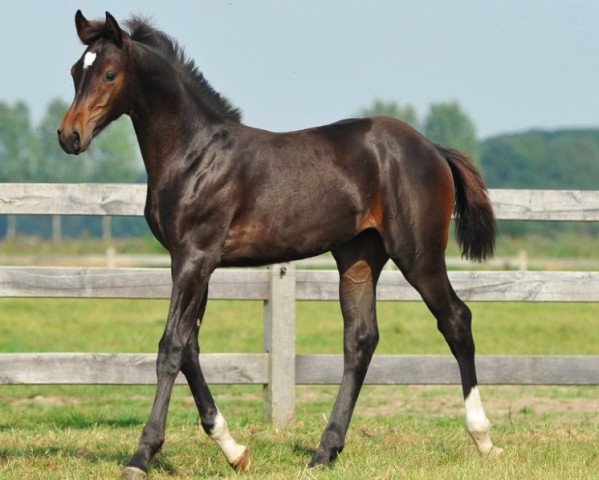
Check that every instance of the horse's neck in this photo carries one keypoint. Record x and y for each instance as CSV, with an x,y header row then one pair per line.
x,y
167,125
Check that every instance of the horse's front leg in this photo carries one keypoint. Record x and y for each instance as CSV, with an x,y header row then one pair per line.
x,y
191,273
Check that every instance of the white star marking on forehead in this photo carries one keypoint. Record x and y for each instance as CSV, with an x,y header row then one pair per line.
x,y
89,58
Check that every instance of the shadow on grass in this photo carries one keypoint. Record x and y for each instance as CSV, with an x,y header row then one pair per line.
x,y
159,464
303,451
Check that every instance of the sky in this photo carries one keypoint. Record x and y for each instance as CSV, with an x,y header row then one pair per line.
x,y
512,65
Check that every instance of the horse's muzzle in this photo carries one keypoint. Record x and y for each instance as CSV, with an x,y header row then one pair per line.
x,y
70,142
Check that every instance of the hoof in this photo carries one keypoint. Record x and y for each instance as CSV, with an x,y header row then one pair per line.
x,y
495,452
321,460
484,444
242,464
315,463
133,473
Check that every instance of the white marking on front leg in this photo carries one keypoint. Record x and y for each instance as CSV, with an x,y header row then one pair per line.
x,y
89,59
237,455
478,424
476,419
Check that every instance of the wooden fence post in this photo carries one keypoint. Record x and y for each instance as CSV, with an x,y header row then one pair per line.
x,y
106,229
279,343
56,228
11,228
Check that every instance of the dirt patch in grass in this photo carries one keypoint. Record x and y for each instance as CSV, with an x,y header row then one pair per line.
x,y
542,405
504,401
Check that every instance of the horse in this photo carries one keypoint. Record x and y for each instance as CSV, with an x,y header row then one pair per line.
x,y
221,193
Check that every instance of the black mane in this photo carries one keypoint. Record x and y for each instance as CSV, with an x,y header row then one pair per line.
x,y
142,31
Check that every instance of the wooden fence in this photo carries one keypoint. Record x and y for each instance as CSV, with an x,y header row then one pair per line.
x,y
278,368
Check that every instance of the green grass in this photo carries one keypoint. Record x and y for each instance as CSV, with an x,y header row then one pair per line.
x,y
85,432
409,445
64,432
73,325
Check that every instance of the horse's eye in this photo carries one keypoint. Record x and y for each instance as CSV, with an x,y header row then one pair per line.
x,y
109,76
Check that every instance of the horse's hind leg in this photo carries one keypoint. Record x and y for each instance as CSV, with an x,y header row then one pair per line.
x,y
213,423
359,262
429,276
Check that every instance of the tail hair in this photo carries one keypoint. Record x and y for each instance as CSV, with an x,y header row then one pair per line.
x,y
475,224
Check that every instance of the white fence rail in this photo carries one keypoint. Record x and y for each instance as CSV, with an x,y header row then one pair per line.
x,y
279,368
129,200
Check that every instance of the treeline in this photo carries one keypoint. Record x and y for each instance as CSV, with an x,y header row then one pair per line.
x,y
30,153
567,159
561,159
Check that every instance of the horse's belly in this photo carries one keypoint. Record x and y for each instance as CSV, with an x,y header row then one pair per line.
x,y
264,241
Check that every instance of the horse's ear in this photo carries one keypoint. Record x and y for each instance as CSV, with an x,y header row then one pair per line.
x,y
83,28
113,31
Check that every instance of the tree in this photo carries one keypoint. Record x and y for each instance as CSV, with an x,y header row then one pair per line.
x,y
447,124
406,113
18,151
18,145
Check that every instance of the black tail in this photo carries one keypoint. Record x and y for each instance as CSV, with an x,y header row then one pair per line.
x,y
474,219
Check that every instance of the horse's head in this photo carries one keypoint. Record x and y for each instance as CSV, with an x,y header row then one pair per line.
x,y
101,86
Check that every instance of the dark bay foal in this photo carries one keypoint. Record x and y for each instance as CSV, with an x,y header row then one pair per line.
x,y
224,194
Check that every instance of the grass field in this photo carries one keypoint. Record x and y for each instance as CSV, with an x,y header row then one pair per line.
x,y
64,432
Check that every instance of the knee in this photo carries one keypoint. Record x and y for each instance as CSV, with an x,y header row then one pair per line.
x,y
169,356
189,358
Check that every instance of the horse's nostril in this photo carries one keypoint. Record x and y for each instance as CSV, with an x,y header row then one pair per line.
x,y
76,142
59,131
